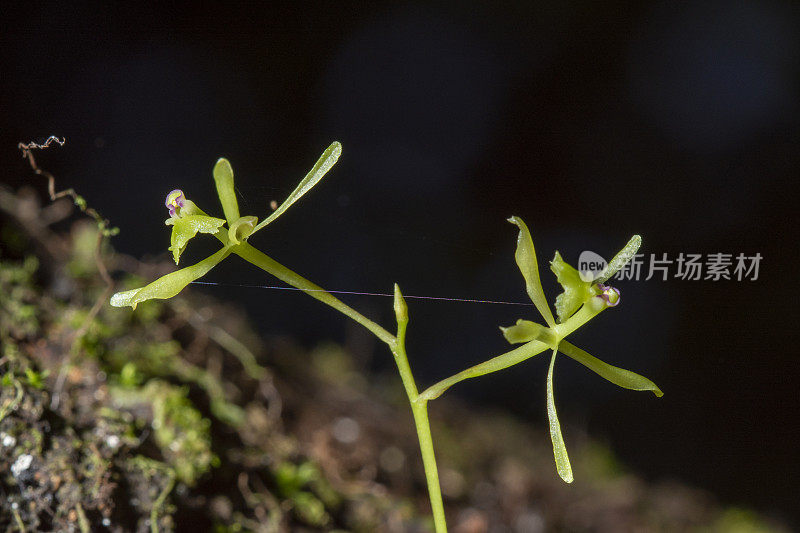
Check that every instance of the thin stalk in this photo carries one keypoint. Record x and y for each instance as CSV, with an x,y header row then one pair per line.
x,y
266,263
584,315
419,407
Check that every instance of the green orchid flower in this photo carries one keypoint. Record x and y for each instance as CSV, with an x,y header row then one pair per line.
x,y
579,302
187,220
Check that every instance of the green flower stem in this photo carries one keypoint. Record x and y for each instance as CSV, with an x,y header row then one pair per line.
x,y
419,407
266,263
400,357
584,315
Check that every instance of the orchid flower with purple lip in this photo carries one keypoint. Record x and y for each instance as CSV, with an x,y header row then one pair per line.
x,y
175,200
187,220
579,302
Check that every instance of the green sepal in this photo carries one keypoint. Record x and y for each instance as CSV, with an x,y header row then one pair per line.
x,y
171,284
495,364
621,259
317,172
559,448
618,376
576,291
525,257
186,227
190,208
526,331
241,229
223,178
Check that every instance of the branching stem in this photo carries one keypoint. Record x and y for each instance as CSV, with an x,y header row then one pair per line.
x,y
419,406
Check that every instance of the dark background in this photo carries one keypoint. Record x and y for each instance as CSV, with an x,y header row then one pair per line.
x,y
591,121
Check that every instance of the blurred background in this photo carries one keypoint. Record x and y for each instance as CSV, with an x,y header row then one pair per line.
x,y
590,121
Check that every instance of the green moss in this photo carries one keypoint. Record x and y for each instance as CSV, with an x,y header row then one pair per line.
x,y
180,431
34,378
18,296
296,483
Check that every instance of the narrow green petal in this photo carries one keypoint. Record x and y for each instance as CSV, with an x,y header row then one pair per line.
x,y
223,178
171,284
559,449
526,331
576,291
621,259
317,172
618,376
526,261
517,355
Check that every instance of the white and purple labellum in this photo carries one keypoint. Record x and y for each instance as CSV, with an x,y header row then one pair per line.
x,y
175,200
609,295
